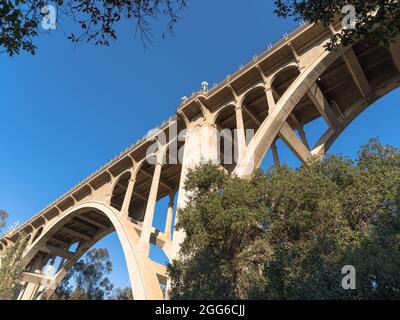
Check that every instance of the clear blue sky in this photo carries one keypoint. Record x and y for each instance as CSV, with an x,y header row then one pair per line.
x,y
66,111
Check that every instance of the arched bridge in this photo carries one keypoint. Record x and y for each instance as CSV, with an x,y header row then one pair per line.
x,y
274,97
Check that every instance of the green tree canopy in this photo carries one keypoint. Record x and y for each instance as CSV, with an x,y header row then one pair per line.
x,y
287,233
87,280
3,218
92,20
11,269
97,21
122,294
377,21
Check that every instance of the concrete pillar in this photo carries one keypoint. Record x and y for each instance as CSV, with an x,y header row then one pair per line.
x,y
149,214
32,288
128,197
108,198
303,137
201,145
170,212
241,136
275,155
270,99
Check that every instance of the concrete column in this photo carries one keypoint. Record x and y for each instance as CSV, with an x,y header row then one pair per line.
x,y
108,198
275,155
128,197
32,288
206,135
303,136
110,191
168,222
149,214
241,136
270,99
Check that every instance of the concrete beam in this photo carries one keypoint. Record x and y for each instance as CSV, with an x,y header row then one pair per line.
x,y
75,233
58,252
93,222
323,107
357,72
60,242
294,143
163,183
36,278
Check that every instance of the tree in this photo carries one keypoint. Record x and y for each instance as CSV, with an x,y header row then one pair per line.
x,y
87,280
96,21
11,269
287,233
376,21
122,294
3,218
10,264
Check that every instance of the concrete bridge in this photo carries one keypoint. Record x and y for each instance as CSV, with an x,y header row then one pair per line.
x,y
275,96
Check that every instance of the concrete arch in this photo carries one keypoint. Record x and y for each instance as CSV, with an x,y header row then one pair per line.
x,y
125,176
274,75
141,273
330,136
270,128
37,234
218,112
116,180
257,86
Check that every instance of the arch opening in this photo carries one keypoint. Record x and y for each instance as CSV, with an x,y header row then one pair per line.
x,y
227,140
86,225
255,109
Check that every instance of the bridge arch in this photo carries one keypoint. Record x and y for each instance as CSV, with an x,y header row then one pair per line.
x,y
143,278
120,183
282,80
308,93
269,129
218,112
255,87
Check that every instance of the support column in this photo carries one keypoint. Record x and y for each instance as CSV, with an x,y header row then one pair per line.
x,y
241,136
270,99
109,194
108,198
275,154
149,214
32,288
303,136
194,155
168,222
128,197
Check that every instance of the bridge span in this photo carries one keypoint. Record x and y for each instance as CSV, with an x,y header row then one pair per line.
x,y
279,92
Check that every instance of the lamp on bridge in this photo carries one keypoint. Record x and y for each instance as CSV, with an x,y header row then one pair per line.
x,y
204,86
184,99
